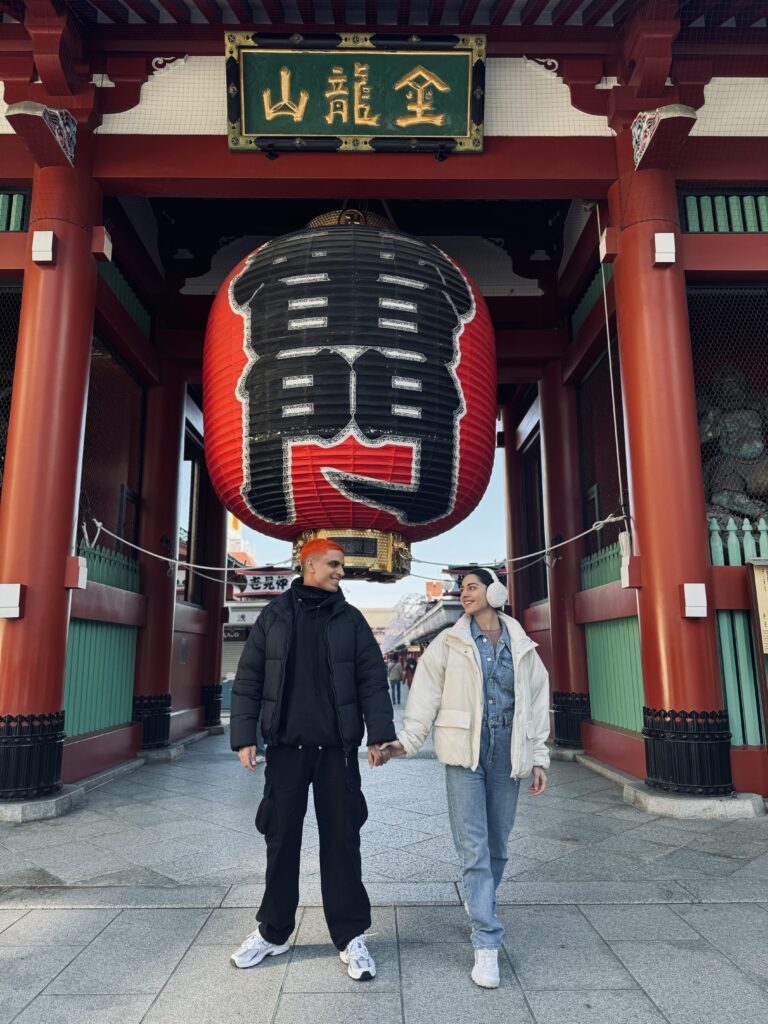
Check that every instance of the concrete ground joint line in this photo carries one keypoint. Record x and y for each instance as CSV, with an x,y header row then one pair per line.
x,y
399,965
517,979
175,967
289,959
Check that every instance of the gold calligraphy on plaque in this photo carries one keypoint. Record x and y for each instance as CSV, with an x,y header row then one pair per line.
x,y
285,107
337,95
421,85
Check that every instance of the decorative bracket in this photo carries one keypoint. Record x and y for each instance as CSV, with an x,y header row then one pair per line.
x,y
49,134
658,135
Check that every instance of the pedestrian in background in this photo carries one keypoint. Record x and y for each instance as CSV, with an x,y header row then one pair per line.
x,y
395,676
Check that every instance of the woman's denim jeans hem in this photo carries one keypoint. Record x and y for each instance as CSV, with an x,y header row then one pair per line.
x,y
482,806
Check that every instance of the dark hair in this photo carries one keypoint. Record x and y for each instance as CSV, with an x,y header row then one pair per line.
x,y
482,574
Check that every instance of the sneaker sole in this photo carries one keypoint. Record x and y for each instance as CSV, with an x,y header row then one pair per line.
x,y
255,963
485,982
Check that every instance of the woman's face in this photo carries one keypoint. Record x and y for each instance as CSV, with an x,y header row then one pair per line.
x,y
473,592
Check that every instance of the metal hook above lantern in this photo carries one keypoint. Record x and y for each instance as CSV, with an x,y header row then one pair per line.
x,y
349,391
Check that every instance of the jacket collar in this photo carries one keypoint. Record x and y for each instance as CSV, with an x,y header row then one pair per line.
x,y
283,605
462,630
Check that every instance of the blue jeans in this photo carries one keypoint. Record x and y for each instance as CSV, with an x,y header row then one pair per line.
x,y
482,806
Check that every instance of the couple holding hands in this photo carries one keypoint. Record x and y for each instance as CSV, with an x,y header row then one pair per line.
x,y
313,672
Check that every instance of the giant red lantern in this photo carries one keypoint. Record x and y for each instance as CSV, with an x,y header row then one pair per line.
x,y
350,391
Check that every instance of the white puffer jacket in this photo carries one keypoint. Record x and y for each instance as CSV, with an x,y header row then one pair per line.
x,y
447,693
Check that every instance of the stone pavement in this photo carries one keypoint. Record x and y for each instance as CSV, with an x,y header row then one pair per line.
x,y
127,909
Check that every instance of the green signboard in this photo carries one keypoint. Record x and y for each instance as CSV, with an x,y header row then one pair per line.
x,y
355,93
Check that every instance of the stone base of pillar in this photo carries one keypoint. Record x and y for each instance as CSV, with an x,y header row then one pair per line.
x,y
30,755
570,709
154,714
212,704
688,751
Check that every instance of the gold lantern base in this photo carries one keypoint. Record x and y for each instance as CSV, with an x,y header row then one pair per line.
x,y
370,554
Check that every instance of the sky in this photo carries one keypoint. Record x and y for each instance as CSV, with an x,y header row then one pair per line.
x,y
481,537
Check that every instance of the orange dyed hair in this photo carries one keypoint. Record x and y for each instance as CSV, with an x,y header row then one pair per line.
x,y
319,546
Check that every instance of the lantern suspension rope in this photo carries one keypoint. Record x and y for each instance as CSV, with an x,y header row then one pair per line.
x,y
622,504
101,528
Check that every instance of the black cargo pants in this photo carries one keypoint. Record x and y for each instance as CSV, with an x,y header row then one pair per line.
x,y
341,812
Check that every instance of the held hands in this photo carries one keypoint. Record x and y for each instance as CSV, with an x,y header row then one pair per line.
x,y
380,753
539,783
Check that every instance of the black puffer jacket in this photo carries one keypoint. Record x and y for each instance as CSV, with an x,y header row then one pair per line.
x,y
358,677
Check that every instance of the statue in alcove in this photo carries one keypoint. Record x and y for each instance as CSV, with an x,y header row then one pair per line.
x,y
732,433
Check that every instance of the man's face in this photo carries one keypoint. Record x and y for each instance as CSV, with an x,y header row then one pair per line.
x,y
325,571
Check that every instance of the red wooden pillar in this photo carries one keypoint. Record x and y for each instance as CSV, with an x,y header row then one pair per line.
x,y
514,488
563,518
214,598
41,481
685,727
159,533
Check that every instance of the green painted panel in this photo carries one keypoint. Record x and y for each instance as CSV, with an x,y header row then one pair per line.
x,y
604,566
615,673
592,295
110,567
692,214
126,296
17,212
98,682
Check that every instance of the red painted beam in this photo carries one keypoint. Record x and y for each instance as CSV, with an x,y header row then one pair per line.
x,y
371,12
306,11
339,11
582,262
565,9
749,766
145,9
242,11
435,13
590,340
749,13
468,12
530,13
201,166
619,748
113,9
536,618
87,755
190,619
178,10
274,11
210,10
120,331
730,588
726,255
13,249
595,11
101,603
604,604
500,10
530,345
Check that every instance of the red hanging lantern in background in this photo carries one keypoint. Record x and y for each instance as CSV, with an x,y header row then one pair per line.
x,y
349,385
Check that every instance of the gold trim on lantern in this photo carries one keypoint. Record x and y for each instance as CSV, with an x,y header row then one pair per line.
x,y
370,554
349,216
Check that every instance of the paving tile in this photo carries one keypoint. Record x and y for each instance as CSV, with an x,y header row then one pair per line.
x,y
715,890
437,987
643,923
132,876
207,989
89,1009
8,917
594,1007
432,924
349,1008
547,927
740,932
316,967
562,966
539,848
18,870
593,892
386,893
74,861
25,971
691,982
57,927
407,867
124,896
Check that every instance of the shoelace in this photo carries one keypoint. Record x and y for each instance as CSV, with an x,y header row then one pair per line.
x,y
486,957
358,949
253,940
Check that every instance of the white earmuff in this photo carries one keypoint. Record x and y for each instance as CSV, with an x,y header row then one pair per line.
x,y
496,595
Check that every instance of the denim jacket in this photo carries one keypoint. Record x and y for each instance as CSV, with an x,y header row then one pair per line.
x,y
498,672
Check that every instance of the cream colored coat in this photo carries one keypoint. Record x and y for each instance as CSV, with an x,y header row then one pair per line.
x,y
447,694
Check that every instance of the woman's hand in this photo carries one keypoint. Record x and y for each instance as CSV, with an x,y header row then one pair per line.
x,y
539,783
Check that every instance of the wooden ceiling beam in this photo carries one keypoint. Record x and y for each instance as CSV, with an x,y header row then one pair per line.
x,y
210,10
113,9
596,11
146,10
529,15
500,10
565,9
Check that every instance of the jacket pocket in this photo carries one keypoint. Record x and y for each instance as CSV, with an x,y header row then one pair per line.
x,y
453,719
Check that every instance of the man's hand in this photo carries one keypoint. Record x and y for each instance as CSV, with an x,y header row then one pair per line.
x,y
392,749
247,757
374,756
539,783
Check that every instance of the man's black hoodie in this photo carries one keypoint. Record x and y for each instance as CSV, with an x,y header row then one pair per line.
x,y
308,712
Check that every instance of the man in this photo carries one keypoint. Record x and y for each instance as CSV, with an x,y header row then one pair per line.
x,y
410,669
313,671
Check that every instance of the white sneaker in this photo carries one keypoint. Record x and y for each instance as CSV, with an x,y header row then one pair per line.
x,y
360,964
485,973
254,948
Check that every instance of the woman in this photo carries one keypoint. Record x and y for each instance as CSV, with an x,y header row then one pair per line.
x,y
486,692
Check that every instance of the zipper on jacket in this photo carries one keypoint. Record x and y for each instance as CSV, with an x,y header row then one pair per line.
x,y
333,689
